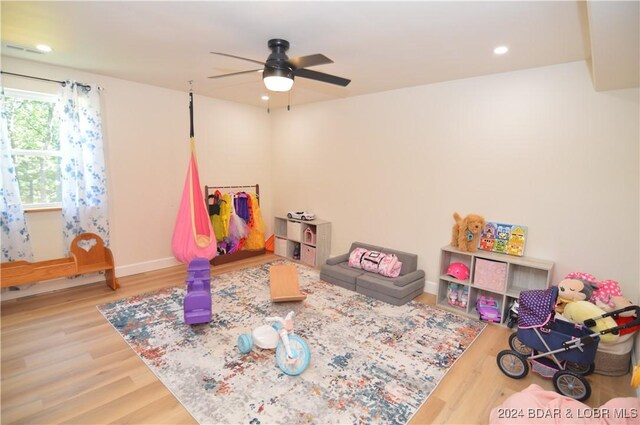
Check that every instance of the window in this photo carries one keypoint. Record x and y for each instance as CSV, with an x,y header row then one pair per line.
x,y
34,133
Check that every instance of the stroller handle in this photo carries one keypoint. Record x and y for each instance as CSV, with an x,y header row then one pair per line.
x,y
615,314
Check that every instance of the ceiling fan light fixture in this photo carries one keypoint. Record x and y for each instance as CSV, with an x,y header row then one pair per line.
x,y
276,79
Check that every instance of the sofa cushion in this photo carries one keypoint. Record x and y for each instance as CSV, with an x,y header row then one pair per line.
x,y
409,261
341,272
389,299
408,278
385,285
338,259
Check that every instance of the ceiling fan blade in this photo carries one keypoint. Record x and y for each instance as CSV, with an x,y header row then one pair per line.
x,y
311,60
237,57
236,73
320,76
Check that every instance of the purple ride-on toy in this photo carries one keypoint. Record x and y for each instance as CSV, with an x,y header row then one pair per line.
x,y
488,309
197,302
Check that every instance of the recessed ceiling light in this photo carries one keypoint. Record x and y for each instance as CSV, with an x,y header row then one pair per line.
x,y
264,97
43,48
500,50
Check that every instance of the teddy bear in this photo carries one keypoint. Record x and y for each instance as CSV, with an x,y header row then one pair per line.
x,y
466,232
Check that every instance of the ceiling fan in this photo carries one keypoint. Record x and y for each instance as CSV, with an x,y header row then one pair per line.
x,y
279,70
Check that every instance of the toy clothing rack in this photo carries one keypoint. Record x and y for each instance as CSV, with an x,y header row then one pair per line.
x,y
242,254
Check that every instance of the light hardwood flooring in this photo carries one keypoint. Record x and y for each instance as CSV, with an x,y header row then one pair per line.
x,y
63,363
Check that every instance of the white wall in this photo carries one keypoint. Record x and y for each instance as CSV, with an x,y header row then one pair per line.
x,y
147,149
536,147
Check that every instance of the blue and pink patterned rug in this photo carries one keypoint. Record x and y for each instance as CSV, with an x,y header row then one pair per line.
x,y
370,361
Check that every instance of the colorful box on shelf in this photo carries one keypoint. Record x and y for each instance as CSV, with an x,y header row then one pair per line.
x,y
490,275
309,236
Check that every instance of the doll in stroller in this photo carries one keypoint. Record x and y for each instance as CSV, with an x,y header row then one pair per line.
x,y
556,349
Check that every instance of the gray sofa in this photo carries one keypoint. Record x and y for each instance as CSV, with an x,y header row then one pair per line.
x,y
397,291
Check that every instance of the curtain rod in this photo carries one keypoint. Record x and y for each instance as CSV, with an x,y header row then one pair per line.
x,y
63,83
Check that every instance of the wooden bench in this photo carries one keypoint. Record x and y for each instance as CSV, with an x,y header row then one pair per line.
x,y
88,255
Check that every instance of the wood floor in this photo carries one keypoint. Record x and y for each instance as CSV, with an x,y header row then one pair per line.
x,y
63,363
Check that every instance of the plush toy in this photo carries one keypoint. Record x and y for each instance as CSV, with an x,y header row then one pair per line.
x,y
582,275
575,290
579,311
466,232
609,297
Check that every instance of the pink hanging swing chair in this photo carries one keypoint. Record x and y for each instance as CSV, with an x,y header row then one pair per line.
x,y
193,235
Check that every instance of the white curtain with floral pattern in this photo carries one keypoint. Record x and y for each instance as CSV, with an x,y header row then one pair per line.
x,y
15,235
84,181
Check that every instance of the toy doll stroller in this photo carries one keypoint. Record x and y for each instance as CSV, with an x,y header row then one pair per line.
x,y
556,349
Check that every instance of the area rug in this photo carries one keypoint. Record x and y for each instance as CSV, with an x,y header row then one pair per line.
x,y
371,362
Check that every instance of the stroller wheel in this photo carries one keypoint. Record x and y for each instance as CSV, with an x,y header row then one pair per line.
x,y
572,385
582,369
512,364
517,345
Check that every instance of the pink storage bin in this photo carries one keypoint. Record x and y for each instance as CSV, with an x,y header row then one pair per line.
x,y
308,255
490,274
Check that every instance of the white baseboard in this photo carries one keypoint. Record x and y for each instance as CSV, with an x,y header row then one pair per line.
x,y
146,266
431,287
64,283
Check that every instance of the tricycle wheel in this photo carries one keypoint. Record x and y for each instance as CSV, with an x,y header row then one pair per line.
x,y
245,343
301,355
517,345
572,385
512,364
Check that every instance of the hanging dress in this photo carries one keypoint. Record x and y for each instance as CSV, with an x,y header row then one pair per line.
x,y
255,239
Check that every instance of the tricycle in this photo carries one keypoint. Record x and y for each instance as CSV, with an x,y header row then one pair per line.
x,y
292,352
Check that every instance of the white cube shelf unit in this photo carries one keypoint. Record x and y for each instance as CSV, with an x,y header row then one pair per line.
x,y
312,238
521,273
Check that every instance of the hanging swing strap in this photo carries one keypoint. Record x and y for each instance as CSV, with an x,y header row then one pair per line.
x,y
191,114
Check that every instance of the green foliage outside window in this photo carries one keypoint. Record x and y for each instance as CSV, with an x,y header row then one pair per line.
x,y
34,129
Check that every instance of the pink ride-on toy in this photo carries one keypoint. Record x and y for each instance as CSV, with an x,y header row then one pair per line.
x,y
488,309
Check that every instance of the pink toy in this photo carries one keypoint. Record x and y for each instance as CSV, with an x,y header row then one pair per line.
x,y
458,270
583,276
488,309
608,289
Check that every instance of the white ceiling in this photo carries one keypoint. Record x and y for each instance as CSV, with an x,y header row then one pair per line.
x,y
378,45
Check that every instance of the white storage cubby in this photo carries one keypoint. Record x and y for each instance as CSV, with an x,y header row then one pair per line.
x,y
311,238
522,273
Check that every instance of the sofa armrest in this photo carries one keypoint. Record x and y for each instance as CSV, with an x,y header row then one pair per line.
x,y
408,278
338,259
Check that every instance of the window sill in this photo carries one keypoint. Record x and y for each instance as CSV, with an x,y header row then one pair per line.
x,y
43,209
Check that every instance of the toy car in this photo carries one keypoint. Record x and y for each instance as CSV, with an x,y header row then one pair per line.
x,y
301,215
488,309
